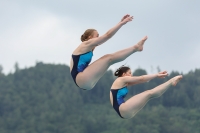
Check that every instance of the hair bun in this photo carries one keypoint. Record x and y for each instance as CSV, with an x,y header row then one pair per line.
x,y
86,34
82,38
117,73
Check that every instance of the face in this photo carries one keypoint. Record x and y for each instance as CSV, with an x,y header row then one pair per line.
x,y
94,34
128,73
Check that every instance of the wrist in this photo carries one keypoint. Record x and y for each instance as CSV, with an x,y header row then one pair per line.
x,y
121,23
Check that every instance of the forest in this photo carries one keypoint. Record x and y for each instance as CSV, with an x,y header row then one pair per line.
x,y
44,99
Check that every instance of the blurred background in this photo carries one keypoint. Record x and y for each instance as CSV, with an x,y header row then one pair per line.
x,y
37,38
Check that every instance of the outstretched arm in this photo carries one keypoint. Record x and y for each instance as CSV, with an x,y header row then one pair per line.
x,y
99,40
144,78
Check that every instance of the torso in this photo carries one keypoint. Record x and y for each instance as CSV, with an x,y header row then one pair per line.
x,y
81,49
117,84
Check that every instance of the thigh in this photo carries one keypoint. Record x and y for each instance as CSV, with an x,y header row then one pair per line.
x,y
134,104
90,76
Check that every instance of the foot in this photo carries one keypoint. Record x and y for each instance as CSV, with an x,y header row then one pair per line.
x,y
176,79
139,45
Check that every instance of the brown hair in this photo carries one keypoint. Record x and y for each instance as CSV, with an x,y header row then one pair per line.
x,y
86,34
121,70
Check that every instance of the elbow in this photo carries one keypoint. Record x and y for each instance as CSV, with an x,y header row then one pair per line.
x,y
108,35
142,79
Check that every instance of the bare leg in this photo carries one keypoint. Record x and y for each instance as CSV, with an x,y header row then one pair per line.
x,y
91,75
136,103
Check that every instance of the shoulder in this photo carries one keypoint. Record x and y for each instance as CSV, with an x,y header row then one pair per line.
x,y
124,79
119,82
82,48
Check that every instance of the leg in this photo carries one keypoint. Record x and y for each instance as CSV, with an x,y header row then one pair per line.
x,y
91,75
136,103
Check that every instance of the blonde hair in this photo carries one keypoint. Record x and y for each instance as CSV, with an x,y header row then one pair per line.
x,y
86,34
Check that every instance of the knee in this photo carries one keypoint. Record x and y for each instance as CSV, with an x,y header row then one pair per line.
x,y
152,94
108,57
149,93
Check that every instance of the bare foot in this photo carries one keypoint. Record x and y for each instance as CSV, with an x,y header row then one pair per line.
x,y
139,45
176,79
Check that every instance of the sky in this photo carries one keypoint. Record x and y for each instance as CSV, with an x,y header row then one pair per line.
x,y
48,31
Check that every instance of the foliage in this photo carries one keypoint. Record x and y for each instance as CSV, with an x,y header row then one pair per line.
x,y
45,99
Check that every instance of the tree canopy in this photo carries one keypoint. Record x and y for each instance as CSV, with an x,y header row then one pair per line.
x,y
44,99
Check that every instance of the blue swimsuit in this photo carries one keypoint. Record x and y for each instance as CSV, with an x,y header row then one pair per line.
x,y
118,98
80,63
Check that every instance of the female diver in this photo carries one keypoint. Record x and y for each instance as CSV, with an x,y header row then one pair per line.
x,y
128,109
86,76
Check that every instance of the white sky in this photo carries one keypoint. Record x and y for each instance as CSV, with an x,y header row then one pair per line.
x,y
49,31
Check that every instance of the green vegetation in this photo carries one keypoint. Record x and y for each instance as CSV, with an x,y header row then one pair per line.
x,y
44,99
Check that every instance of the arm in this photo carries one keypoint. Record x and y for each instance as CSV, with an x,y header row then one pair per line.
x,y
144,78
99,40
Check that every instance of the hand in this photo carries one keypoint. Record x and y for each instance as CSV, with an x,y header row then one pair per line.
x,y
162,74
126,18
